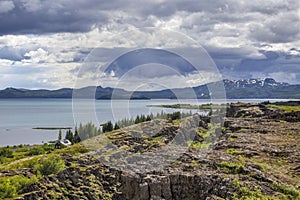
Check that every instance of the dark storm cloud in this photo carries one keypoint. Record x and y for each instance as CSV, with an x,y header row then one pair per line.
x,y
38,17
245,38
273,65
130,60
45,16
6,6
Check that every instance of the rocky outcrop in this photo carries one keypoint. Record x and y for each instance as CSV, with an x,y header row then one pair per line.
x,y
254,156
176,186
251,110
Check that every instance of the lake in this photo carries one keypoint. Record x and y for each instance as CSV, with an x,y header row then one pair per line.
x,y
18,117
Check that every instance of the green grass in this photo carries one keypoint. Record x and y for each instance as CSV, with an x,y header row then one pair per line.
x,y
14,153
289,191
43,166
285,108
234,152
75,149
27,157
203,133
245,193
232,168
49,165
198,145
155,140
28,163
232,139
11,186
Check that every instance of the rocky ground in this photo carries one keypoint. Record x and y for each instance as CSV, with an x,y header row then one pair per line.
x,y
255,155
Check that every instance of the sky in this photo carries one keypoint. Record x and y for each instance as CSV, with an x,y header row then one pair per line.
x,y
56,44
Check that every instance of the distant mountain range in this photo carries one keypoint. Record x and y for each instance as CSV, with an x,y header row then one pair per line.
x,y
240,89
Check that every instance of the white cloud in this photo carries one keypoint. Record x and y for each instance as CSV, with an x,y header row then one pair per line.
x,y
32,5
284,77
38,56
4,63
6,6
61,33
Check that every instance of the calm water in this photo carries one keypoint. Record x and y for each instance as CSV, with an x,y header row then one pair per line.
x,y
19,116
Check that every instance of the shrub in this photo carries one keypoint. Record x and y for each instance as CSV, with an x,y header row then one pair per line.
x,y
35,151
45,148
50,165
48,147
6,152
11,186
246,193
289,191
75,149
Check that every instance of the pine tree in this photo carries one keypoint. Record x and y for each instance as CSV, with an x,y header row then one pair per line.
x,y
148,118
142,118
151,116
109,126
69,136
116,126
59,135
137,119
76,136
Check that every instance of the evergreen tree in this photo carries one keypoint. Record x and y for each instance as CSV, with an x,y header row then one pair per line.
x,y
151,116
76,136
59,135
143,118
137,119
116,126
109,126
69,136
148,118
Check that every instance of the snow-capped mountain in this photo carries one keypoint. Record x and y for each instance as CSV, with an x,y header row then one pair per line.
x,y
253,83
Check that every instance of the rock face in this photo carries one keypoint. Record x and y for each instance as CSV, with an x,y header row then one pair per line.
x,y
93,184
256,156
175,186
244,110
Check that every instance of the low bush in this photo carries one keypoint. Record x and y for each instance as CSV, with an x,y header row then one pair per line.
x,y
6,152
49,165
35,151
289,191
11,186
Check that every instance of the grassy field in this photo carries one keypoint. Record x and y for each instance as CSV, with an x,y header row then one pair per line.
x,y
285,108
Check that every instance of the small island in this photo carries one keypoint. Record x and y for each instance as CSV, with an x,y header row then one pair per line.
x,y
189,106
